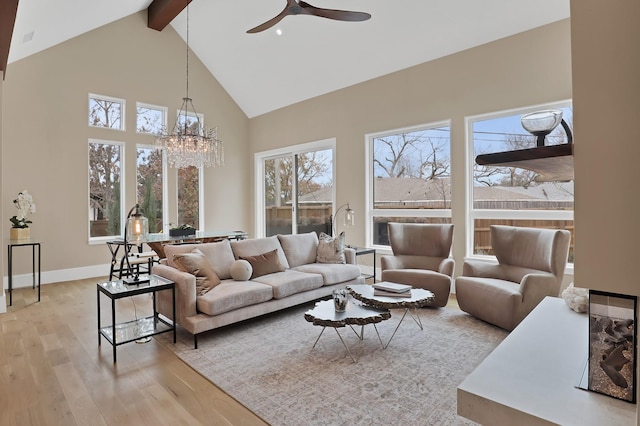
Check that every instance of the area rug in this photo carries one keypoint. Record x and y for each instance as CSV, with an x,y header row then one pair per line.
x,y
269,366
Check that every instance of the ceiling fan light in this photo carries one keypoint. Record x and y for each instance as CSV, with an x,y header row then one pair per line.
x,y
541,123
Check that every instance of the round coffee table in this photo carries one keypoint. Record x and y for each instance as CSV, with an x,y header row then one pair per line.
x,y
419,298
325,315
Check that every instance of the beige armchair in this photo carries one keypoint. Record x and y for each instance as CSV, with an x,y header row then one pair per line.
x,y
420,258
531,264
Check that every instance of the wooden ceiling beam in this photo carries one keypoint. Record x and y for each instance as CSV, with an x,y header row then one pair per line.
x,y
161,12
8,12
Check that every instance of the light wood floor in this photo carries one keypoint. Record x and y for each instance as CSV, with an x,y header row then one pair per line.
x,y
52,371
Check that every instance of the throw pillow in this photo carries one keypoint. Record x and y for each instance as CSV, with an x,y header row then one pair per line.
x,y
265,263
241,270
196,263
331,250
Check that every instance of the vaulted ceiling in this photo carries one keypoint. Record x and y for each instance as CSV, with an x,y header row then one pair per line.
x,y
311,56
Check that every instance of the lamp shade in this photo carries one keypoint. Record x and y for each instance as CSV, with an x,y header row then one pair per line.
x,y
137,228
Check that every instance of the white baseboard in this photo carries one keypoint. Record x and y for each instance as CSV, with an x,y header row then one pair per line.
x,y
61,275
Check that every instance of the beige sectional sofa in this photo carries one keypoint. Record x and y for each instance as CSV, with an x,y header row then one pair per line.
x,y
295,277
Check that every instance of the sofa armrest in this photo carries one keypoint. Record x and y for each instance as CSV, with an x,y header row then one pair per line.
x,y
350,255
185,293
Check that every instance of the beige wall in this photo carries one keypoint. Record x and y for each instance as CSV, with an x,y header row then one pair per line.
x,y
45,137
527,69
606,84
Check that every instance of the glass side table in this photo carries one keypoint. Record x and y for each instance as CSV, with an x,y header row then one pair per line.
x,y
361,251
130,331
22,243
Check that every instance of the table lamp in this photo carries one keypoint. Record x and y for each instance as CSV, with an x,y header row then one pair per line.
x,y
136,231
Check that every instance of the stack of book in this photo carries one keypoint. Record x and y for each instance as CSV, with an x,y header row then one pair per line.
x,y
391,289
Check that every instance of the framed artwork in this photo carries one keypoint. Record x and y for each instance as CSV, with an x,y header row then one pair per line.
x,y
612,345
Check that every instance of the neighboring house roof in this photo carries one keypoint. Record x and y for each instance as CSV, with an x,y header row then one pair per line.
x,y
414,190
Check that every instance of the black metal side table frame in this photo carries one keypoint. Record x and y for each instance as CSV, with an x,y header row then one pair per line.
x,y
19,243
121,333
361,251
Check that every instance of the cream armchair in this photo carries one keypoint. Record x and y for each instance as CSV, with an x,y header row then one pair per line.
x,y
531,264
421,258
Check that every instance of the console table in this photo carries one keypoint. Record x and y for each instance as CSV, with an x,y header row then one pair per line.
x,y
530,378
21,243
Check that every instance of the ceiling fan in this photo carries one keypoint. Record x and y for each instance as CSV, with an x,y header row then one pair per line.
x,y
299,7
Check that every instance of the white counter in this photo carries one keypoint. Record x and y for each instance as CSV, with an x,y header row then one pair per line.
x,y
530,378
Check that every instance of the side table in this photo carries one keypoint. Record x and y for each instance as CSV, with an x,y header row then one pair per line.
x,y
361,251
130,331
21,243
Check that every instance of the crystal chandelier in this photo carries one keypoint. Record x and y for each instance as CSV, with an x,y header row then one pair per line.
x,y
190,143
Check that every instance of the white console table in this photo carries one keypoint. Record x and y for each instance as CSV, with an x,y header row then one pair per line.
x,y
530,378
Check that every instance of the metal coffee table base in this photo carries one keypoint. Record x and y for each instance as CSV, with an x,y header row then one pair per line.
x,y
360,337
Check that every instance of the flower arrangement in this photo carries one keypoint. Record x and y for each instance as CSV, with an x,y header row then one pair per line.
x,y
25,205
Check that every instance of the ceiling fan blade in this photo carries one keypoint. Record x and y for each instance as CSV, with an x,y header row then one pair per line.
x,y
338,15
270,23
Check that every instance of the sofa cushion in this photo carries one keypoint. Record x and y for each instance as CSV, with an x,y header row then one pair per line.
x,y
331,273
290,282
253,247
230,295
265,263
197,264
331,250
299,249
241,270
219,255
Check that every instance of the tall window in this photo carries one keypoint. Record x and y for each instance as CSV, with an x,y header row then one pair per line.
x,y
105,183
409,178
105,111
150,186
189,196
509,195
296,189
150,119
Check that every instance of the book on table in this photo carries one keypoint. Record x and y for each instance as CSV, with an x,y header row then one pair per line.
x,y
392,287
377,292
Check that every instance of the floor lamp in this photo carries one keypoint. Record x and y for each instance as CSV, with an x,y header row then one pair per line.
x,y
349,218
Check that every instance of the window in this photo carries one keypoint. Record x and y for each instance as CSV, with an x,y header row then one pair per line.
x,y
189,196
105,183
409,178
150,186
150,119
296,189
509,195
106,112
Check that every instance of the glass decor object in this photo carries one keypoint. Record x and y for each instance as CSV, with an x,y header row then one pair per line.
x,y
137,227
340,298
541,123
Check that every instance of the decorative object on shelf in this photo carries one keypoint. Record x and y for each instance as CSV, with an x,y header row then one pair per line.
x,y
349,217
612,345
19,223
340,299
576,298
136,231
190,143
551,162
182,231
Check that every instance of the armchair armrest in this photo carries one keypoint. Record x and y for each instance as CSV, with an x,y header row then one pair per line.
x,y
390,262
537,286
480,269
446,266
185,293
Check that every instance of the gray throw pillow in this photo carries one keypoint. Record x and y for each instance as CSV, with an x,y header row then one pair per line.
x,y
331,250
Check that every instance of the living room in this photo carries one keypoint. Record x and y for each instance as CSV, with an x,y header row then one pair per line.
x,y
591,59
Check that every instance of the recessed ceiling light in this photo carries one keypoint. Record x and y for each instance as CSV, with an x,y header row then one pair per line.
x,y
278,31
27,37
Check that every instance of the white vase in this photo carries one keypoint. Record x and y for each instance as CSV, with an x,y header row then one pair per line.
x,y
20,233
